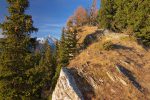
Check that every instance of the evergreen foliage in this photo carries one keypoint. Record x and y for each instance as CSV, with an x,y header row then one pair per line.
x,y
40,77
106,13
71,42
68,43
15,50
25,72
130,15
63,54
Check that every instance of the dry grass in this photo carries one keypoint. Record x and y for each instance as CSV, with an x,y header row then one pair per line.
x,y
84,31
98,67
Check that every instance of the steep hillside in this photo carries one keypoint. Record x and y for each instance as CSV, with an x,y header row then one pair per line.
x,y
111,67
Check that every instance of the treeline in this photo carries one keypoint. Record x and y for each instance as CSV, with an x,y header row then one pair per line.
x,y
130,16
25,73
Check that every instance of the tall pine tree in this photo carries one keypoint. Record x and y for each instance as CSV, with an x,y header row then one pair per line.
x,y
71,42
17,29
63,53
68,45
40,76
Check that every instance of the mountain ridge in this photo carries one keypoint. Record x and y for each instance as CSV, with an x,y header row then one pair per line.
x,y
115,63
51,40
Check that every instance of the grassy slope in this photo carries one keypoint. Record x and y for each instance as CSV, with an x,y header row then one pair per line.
x,y
122,73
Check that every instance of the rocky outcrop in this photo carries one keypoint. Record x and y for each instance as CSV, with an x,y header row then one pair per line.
x,y
66,88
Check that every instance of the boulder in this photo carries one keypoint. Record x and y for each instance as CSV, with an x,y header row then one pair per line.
x,y
66,88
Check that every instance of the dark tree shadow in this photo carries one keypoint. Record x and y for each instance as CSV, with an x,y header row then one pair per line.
x,y
91,38
94,37
131,77
139,41
86,89
117,46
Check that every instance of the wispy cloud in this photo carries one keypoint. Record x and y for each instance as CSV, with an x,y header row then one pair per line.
x,y
54,25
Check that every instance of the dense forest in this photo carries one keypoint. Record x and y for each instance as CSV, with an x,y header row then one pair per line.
x,y
27,73
131,16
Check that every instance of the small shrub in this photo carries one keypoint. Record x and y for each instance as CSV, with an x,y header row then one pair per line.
x,y
128,38
108,45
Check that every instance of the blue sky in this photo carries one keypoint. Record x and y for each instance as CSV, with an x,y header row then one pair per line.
x,y
49,15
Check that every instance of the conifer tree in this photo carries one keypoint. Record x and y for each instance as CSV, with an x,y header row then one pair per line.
x,y
56,54
63,52
57,50
17,29
106,13
68,45
48,67
71,21
71,42
130,15
40,77
121,15
58,66
141,21
48,56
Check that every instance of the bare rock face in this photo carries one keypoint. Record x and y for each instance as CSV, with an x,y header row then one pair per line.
x,y
66,88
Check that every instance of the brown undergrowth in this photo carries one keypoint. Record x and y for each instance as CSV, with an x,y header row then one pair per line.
x,y
120,73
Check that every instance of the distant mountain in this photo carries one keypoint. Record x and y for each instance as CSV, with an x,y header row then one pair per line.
x,y
40,42
51,39
52,42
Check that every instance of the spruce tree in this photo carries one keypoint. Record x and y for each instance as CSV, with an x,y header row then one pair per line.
x,y
63,52
106,13
17,29
40,77
58,66
141,21
120,18
130,15
71,42
68,45
47,67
